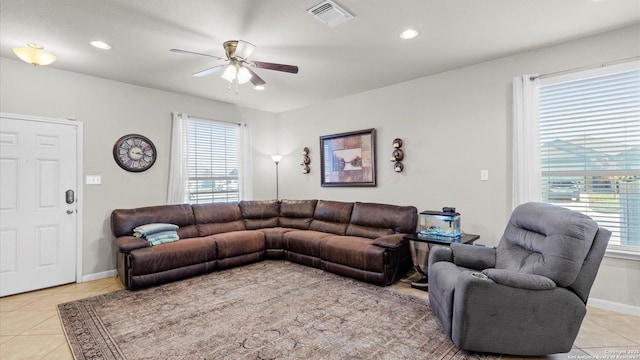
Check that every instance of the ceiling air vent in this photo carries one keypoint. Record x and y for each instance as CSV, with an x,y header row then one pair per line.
x,y
330,13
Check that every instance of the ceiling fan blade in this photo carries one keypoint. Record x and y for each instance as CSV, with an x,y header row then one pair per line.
x,y
244,49
195,53
278,67
209,71
255,79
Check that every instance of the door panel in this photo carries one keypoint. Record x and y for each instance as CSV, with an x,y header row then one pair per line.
x,y
38,163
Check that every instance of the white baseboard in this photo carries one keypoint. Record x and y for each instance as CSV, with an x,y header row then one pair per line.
x,y
614,306
100,275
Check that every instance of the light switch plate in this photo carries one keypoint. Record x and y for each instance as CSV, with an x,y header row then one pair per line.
x,y
484,175
93,180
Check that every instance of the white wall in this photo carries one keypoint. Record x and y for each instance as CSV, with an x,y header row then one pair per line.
x,y
453,125
108,110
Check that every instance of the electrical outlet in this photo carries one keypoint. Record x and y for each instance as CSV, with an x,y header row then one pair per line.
x,y
484,175
93,180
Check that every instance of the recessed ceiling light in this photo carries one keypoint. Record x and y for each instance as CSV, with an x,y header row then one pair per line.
x,y
408,34
259,87
100,45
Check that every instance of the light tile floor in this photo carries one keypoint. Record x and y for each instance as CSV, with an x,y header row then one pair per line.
x,y
30,327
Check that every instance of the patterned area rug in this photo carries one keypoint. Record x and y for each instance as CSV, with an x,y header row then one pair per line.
x,y
266,310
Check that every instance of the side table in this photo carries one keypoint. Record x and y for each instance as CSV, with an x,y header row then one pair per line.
x,y
420,245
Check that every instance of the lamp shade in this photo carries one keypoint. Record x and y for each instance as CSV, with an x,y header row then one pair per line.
x,y
230,72
243,75
34,56
276,158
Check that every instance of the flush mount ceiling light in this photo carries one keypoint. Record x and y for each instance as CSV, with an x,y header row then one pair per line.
x,y
100,45
33,54
408,34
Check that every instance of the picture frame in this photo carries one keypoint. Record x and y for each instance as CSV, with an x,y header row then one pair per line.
x,y
348,159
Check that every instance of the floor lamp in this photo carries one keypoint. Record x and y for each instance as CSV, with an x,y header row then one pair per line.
x,y
276,159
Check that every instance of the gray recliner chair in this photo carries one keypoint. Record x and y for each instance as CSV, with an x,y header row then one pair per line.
x,y
528,295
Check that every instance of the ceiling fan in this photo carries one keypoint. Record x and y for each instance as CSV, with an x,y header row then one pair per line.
x,y
239,67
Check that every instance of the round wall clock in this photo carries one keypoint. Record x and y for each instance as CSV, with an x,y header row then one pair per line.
x,y
135,153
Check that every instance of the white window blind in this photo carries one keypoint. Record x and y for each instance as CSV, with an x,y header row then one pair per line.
x,y
590,147
212,160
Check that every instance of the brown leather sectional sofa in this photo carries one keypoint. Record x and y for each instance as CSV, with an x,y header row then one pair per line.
x,y
358,240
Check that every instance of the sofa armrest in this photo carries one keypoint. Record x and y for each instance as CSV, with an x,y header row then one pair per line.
x,y
473,257
520,280
126,244
393,241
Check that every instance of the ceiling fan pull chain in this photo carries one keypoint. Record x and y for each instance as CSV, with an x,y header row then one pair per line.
x,y
236,86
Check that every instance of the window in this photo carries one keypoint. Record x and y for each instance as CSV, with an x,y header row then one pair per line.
x,y
212,160
590,147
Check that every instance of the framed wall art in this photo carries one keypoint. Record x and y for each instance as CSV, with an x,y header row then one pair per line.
x,y
348,159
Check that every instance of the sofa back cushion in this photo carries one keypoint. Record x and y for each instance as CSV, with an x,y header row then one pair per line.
x,y
297,214
260,214
331,217
548,240
218,218
124,220
375,220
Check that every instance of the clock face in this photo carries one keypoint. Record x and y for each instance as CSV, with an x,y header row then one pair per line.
x,y
134,153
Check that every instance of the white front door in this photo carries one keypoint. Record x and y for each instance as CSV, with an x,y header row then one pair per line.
x,y
38,182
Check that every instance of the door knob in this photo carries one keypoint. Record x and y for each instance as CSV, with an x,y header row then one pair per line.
x,y
69,211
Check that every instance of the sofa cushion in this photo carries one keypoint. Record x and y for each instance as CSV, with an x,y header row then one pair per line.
x,y
217,218
331,217
260,214
173,255
123,221
238,243
547,240
297,214
353,251
375,220
273,237
307,242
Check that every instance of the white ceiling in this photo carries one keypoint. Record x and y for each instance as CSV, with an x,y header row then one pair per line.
x,y
362,54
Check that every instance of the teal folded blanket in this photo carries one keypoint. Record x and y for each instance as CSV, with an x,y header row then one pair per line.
x,y
150,229
162,237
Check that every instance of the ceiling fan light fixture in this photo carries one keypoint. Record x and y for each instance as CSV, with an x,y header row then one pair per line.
x,y
230,72
34,55
243,75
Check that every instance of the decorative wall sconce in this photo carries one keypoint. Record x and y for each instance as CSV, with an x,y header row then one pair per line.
x,y
397,155
306,160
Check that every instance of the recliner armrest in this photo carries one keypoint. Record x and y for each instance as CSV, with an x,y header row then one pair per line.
x,y
126,244
440,253
390,241
520,280
473,257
